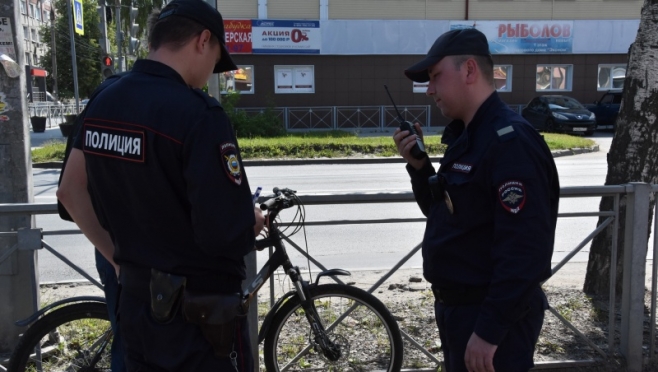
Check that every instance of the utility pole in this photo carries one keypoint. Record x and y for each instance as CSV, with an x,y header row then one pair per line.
x,y
17,274
54,52
74,61
213,82
119,60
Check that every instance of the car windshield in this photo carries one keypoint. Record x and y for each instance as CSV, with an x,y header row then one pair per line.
x,y
563,103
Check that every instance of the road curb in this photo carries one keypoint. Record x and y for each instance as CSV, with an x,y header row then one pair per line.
x,y
365,160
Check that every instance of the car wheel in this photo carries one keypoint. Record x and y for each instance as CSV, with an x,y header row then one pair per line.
x,y
550,125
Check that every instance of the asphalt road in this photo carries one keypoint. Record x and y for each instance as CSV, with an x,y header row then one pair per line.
x,y
375,246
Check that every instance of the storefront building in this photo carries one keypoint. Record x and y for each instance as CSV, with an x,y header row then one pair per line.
x,y
340,53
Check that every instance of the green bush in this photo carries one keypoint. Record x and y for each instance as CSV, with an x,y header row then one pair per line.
x,y
250,125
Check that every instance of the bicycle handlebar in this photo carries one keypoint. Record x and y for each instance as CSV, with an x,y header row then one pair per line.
x,y
282,199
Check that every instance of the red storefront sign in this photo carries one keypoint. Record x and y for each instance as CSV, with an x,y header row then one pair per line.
x,y
238,36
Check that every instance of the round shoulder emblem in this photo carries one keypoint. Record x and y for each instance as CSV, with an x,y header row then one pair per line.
x,y
512,196
230,161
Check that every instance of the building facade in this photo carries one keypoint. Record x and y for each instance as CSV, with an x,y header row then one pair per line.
x,y
318,53
34,15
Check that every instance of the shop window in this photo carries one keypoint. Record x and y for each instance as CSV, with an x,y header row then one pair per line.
x,y
294,79
503,78
240,80
554,78
420,87
611,77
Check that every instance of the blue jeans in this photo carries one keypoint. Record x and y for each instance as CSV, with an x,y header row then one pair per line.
x,y
111,287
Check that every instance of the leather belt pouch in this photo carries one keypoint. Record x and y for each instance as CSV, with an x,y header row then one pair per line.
x,y
216,315
166,294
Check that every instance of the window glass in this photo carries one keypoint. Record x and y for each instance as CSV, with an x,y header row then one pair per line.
x,y
26,33
23,8
503,78
34,34
611,77
37,13
294,79
553,78
240,80
32,10
420,87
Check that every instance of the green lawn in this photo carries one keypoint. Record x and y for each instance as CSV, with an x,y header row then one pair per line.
x,y
333,144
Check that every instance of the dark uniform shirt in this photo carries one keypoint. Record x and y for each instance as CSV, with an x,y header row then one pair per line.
x,y
497,229
165,175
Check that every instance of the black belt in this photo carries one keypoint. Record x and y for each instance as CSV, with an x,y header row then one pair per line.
x,y
460,296
136,280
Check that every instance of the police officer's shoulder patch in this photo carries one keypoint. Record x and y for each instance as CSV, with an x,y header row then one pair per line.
x,y
512,196
505,129
229,158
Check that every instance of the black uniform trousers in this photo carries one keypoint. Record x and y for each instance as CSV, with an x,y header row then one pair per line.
x,y
514,354
175,346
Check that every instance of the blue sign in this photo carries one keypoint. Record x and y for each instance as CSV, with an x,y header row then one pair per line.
x,y
78,21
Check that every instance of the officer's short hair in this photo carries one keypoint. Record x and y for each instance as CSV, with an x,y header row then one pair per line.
x,y
485,63
174,31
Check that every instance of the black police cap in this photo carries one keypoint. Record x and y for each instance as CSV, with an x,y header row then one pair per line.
x,y
207,16
468,41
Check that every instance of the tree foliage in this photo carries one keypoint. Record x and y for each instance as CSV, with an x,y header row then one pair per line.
x,y
633,155
87,49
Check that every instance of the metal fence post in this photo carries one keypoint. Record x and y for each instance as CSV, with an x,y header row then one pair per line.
x,y
635,253
252,316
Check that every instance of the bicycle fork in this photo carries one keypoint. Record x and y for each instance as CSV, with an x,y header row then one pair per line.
x,y
320,340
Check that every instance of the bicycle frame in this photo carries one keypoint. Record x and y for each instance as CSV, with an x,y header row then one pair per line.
x,y
280,259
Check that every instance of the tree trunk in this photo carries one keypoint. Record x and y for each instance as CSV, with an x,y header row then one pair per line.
x,y
633,154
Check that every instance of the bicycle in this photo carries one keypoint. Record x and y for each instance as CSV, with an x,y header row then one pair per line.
x,y
73,334
313,327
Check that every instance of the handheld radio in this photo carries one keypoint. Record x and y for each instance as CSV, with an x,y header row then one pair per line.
x,y
417,151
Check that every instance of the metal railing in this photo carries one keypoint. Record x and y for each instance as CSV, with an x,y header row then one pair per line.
x,y
376,118
54,112
635,197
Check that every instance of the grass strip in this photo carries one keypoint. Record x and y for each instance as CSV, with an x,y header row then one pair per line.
x,y
331,144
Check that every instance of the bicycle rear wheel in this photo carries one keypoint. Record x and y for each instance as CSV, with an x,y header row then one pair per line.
x,y
75,337
365,331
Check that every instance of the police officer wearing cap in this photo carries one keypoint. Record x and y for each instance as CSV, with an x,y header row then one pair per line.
x,y
491,212
156,183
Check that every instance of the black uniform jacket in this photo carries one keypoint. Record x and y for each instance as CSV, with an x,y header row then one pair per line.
x,y
165,175
495,227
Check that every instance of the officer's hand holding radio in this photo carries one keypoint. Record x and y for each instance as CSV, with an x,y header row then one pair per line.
x,y
409,139
407,142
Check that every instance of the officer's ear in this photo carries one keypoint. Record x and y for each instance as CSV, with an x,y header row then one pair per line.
x,y
203,41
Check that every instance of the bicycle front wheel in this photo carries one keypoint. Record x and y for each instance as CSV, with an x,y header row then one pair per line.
x,y
75,337
364,331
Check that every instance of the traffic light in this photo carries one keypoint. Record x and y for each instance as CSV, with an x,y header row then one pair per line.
x,y
107,66
133,40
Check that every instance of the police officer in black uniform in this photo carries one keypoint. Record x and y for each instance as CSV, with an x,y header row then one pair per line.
x,y
491,208
168,200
